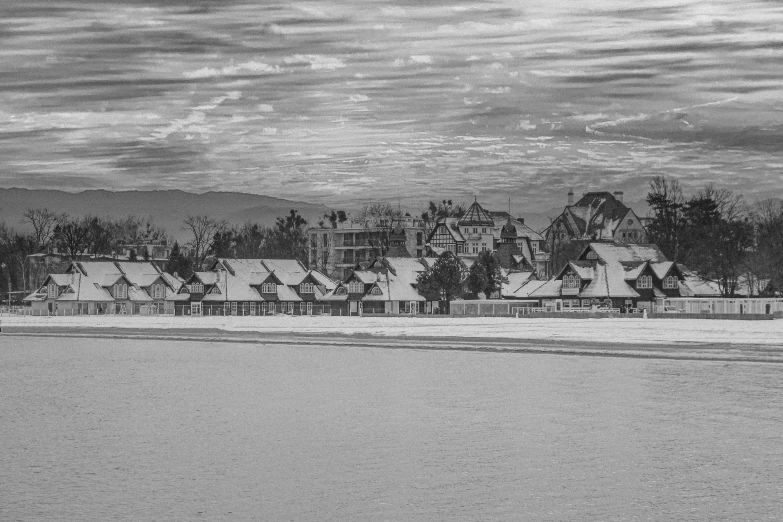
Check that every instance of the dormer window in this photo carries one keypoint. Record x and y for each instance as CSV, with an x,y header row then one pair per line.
x,y
269,288
572,281
341,291
197,288
306,288
52,290
120,291
215,290
670,282
592,255
355,287
376,291
644,282
158,291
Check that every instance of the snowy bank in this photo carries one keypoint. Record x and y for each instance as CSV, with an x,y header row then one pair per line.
x,y
600,331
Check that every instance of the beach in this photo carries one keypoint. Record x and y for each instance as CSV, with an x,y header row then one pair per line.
x,y
668,338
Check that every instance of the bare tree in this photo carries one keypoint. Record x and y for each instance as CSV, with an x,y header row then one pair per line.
x,y
203,229
73,236
44,223
379,220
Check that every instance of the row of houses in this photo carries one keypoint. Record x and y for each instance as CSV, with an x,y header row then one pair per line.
x,y
605,274
232,287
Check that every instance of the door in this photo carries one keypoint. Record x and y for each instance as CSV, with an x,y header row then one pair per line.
x,y
309,308
354,307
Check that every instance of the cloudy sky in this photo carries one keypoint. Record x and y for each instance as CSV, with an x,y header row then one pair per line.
x,y
340,102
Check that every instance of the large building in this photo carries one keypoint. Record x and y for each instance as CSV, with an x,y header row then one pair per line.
x,y
335,251
597,216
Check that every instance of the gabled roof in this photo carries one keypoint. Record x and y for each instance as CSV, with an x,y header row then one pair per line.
x,y
451,226
595,216
476,216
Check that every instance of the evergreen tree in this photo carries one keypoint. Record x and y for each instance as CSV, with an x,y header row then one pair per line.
x,y
443,281
178,263
485,275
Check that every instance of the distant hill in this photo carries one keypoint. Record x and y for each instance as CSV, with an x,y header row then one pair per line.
x,y
166,207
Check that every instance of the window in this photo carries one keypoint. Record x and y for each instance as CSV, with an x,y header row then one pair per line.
x,y
571,281
226,308
670,282
355,287
197,288
234,308
245,308
484,230
483,247
475,230
534,244
630,221
253,309
309,308
341,291
592,255
418,238
215,290
270,307
306,288
475,249
120,291
644,282
460,249
302,307
52,291
269,288
290,308
376,290
418,252
158,291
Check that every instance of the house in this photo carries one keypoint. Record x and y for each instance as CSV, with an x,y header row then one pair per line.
x,y
614,275
480,230
335,251
106,287
255,287
597,216
387,286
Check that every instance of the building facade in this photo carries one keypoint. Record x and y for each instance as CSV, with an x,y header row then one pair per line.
x,y
335,251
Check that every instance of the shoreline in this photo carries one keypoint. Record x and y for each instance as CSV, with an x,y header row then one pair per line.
x,y
600,337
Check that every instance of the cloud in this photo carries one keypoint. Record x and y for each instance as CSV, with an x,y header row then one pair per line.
x,y
316,62
251,68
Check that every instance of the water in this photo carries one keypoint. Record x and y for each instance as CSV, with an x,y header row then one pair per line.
x,y
161,430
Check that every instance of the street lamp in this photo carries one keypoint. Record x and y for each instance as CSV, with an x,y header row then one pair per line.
x,y
8,272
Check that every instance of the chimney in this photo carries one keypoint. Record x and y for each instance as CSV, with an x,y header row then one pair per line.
x,y
570,197
618,195
521,220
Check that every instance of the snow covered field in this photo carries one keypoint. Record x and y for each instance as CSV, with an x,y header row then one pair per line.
x,y
602,331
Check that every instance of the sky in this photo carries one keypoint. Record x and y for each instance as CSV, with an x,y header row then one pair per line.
x,y
344,102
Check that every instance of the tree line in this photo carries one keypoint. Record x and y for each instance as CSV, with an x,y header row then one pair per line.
x,y
717,234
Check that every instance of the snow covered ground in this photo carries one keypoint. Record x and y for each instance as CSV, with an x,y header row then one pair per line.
x,y
603,331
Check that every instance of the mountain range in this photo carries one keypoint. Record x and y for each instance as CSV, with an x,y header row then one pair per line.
x,y
167,208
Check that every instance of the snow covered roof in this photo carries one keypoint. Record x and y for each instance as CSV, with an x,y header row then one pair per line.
x,y
618,252
323,280
584,269
550,288
662,268
515,281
